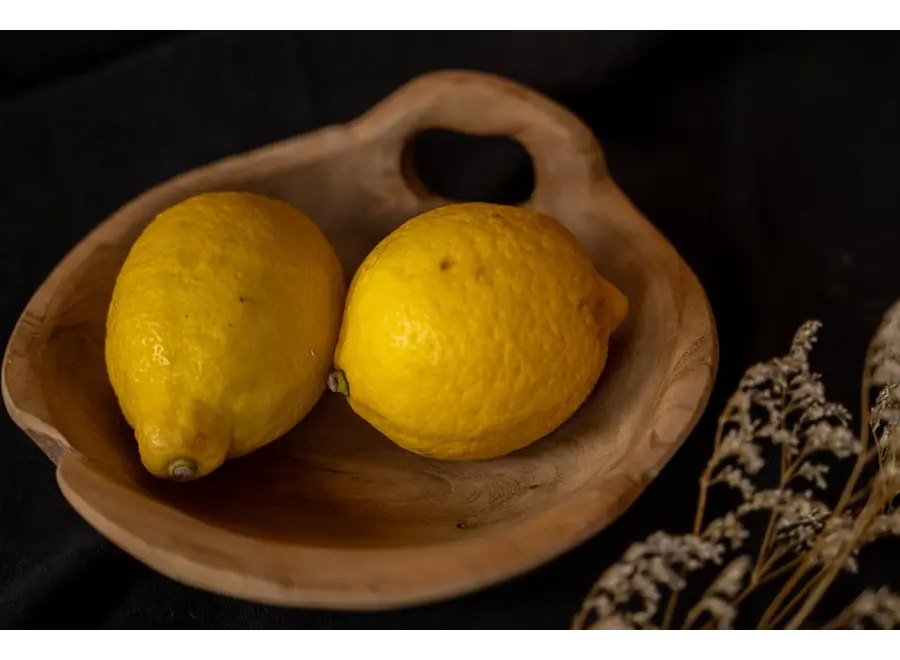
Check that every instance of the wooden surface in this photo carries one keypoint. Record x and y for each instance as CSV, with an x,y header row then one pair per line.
x,y
334,515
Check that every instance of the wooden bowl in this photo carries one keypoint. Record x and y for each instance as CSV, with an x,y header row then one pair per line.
x,y
334,515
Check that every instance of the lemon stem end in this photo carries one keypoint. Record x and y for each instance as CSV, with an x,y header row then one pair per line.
x,y
182,469
337,382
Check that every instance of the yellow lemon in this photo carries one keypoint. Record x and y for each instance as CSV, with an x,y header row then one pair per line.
x,y
222,329
474,330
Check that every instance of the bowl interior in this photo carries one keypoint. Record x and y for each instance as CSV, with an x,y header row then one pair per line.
x,y
334,481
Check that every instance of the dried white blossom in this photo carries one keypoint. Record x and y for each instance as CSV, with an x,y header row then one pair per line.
x,y
834,539
884,419
779,406
735,478
814,472
888,478
731,579
881,607
727,528
787,439
762,500
889,402
887,408
611,622
836,439
885,524
631,589
884,351
800,522
798,517
884,368
740,447
797,418
715,602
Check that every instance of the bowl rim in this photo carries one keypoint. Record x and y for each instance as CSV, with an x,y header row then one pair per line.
x,y
388,577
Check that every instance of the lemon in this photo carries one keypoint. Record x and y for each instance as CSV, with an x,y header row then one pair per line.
x,y
473,330
222,329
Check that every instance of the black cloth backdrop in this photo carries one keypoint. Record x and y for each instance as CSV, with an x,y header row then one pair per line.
x,y
769,160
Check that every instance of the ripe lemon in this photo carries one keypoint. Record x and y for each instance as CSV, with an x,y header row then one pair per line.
x,y
222,329
474,330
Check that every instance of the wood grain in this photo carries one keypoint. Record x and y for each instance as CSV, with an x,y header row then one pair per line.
x,y
333,514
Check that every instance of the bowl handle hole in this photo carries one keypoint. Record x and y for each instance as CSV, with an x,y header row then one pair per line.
x,y
468,168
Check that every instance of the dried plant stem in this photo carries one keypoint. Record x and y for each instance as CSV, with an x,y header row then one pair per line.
x,y
670,610
861,462
767,621
773,559
823,580
767,539
865,405
770,527
706,477
705,482
778,572
868,514
580,619
764,579
779,616
787,473
857,497
805,565
838,621
864,430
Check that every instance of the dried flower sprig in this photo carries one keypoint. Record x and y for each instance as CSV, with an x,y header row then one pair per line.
x,y
778,415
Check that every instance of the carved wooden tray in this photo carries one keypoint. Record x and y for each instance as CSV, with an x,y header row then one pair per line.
x,y
334,515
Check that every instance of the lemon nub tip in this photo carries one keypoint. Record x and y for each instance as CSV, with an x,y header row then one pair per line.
x,y
182,469
337,382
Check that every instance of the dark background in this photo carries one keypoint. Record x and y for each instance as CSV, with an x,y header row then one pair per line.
x,y
771,161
